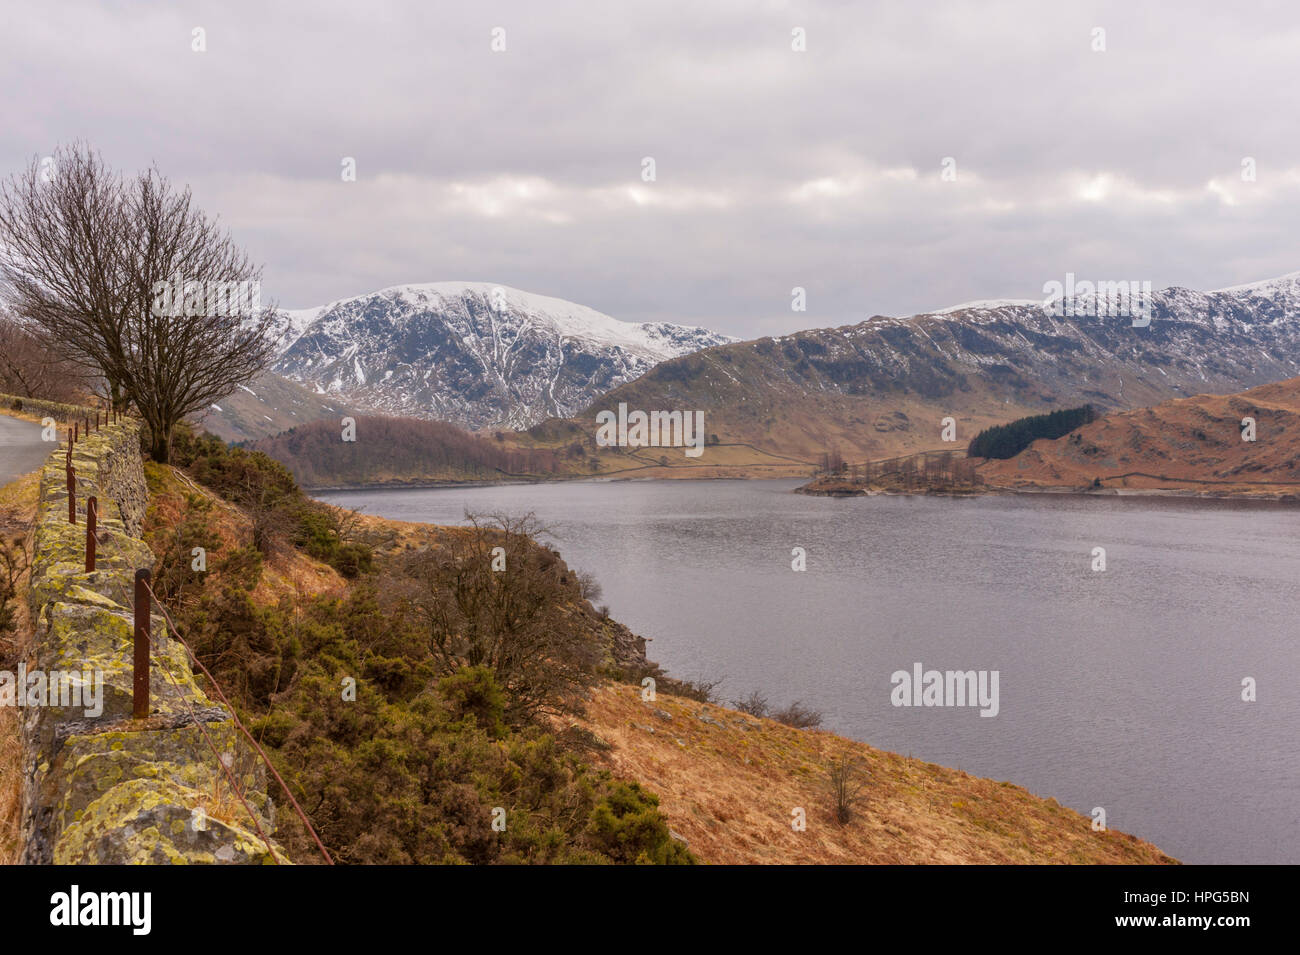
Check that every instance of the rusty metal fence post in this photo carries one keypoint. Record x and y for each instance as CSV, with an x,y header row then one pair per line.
x,y
140,673
92,517
72,495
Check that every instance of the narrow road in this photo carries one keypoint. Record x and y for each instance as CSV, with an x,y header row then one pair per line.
x,y
21,448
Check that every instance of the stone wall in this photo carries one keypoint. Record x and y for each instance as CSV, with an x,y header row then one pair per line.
x,y
103,787
37,406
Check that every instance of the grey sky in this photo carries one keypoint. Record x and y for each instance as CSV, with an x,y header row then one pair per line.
x,y
775,169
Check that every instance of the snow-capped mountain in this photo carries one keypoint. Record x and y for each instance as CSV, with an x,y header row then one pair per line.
x,y
472,353
1184,342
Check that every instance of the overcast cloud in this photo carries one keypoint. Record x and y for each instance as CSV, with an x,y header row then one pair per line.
x,y
775,168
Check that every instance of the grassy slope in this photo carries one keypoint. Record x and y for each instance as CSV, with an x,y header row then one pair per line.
x,y
276,404
728,786
285,572
723,460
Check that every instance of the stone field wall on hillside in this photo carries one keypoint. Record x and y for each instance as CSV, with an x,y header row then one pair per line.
x,y
103,787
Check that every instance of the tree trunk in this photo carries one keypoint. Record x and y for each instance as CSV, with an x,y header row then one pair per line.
x,y
160,443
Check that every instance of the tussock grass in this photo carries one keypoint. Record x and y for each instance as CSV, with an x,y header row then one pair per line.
x,y
730,790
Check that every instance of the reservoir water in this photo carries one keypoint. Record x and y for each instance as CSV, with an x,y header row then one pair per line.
x,y
1118,688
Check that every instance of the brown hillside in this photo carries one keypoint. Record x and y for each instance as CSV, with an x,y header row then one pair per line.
x,y
268,405
751,400
728,783
1186,444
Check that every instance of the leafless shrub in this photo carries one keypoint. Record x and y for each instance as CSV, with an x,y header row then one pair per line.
x,y
799,716
13,562
755,704
845,779
702,691
590,589
512,620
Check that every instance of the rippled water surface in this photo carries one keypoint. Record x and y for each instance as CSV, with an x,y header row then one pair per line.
x,y
1119,689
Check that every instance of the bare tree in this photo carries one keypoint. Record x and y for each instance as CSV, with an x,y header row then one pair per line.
x,y
196,327
30,369
62,223
131,280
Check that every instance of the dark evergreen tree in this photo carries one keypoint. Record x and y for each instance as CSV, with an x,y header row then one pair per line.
x,y
1008,440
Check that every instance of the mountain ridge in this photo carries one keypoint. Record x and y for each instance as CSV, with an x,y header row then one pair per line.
x,y
883,386
476,354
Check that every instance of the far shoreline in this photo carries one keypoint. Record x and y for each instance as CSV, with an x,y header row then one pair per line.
x,y
518,482
1287,499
